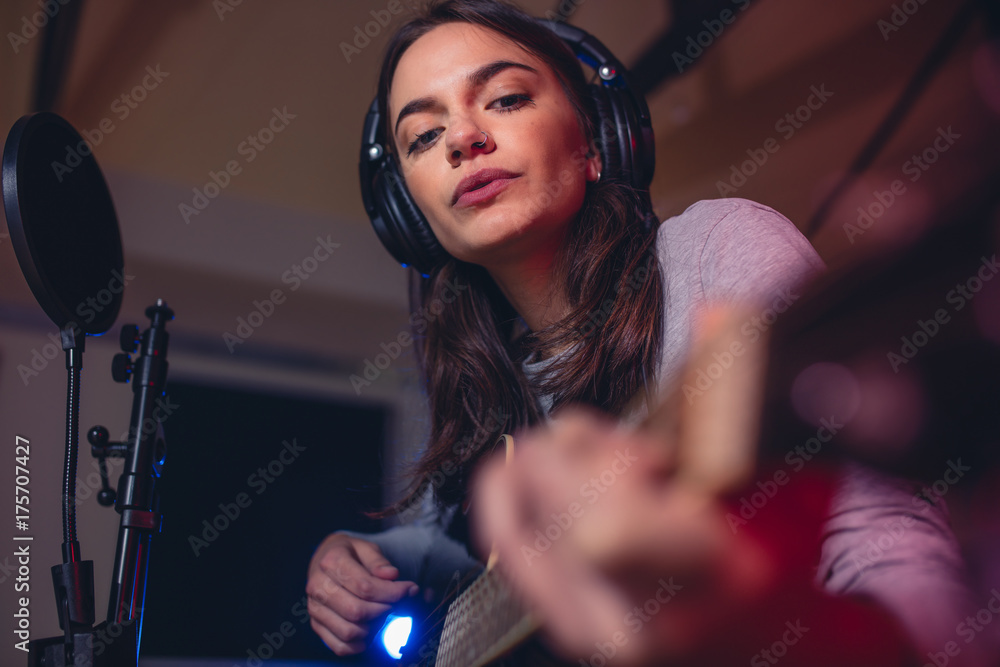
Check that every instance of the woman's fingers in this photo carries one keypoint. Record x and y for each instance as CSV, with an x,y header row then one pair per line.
x,y
334,642
351,584
574,601
370,556
590,526
341,616
346,568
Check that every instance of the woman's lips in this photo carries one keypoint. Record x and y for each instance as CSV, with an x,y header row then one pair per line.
x,y
487,192
482,186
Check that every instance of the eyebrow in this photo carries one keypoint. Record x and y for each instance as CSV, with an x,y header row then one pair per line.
x,y
475,79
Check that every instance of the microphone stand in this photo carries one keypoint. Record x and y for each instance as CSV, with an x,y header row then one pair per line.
x,y
114,642
138,497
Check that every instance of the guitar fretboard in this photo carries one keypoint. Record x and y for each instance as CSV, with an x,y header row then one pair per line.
x,y
482,624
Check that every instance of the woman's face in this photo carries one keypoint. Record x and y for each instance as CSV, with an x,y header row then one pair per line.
x,y
509,193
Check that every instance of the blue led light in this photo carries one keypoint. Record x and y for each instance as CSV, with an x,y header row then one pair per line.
x,y
395,633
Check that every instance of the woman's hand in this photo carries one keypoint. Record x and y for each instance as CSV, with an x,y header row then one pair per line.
x,y
627,561
350,584
618,555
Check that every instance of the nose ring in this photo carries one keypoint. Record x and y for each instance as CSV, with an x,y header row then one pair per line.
x,y
481,144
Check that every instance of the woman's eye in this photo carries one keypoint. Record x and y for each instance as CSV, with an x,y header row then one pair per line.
x,y
505,104
509,103
422,141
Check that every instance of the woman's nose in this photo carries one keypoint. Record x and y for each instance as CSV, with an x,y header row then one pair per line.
x,y
465,138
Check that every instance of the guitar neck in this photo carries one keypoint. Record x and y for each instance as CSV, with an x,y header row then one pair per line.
x,y
483,623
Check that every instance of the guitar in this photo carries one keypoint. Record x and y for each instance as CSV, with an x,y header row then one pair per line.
x,y
486,624
845,319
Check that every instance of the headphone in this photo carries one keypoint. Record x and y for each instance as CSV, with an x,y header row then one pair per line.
x,y
623,134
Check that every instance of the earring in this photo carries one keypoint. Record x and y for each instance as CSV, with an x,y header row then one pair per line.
x,y
481,144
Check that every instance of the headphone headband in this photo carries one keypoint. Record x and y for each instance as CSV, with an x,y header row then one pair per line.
x,y
624,137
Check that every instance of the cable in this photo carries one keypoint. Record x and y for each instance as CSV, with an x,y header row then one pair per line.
x,y
69,470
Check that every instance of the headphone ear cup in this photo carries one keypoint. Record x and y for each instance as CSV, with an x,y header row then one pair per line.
x,y
404,230
620,137
397,221
606,132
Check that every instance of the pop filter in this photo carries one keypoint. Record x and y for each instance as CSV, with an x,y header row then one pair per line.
x,y
62,223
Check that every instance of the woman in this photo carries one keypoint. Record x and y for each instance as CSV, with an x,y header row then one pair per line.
x,y
564,297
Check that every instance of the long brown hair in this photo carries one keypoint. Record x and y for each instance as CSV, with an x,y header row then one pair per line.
x,y
464,329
